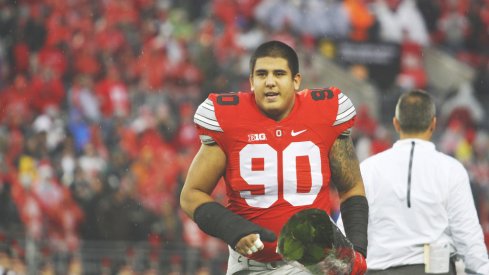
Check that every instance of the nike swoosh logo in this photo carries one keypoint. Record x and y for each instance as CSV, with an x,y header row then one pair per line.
x,y
297,133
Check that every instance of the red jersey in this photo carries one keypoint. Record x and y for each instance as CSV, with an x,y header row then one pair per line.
x,y
275,168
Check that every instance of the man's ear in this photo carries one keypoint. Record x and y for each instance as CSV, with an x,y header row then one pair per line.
x,y
251,83
396,124
433,124
297,81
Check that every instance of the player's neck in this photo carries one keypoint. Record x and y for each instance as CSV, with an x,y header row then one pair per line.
x,y
278,116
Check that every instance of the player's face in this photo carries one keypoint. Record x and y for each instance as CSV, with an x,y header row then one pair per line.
x,y
274,86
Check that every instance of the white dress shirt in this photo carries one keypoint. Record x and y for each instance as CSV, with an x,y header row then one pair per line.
x,y
419,196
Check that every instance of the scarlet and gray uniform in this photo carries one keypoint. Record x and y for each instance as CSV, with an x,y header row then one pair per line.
x,y
275,168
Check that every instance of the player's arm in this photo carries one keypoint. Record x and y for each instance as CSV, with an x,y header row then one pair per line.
x,y
203,175
345,169
346,176
214,219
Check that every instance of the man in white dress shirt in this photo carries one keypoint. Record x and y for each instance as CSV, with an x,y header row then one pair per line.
x,y
422,211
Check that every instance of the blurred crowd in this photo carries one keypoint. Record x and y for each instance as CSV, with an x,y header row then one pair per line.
x,y
97,101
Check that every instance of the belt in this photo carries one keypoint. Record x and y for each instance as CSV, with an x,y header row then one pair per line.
x,y
258,266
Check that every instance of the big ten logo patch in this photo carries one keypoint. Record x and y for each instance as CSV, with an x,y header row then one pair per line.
x,y
257,137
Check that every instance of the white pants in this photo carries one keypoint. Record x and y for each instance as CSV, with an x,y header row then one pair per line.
x,y
240,265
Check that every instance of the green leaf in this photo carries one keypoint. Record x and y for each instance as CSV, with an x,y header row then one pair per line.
x,y
293,249
303,232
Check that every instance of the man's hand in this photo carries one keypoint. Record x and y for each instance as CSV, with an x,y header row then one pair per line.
x,y
359,266
252,243
249,244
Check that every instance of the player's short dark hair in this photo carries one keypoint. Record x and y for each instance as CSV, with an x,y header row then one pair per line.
x,y
414,111
276,49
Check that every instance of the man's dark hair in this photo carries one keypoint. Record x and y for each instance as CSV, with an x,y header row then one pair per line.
x,y
415,111
276,49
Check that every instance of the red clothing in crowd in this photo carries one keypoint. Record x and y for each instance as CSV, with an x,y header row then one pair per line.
x,y
47,91
113,95
121,12
151,66
16,102
53,58
21,57
412,70
58,30
86,62
156,174
47,208
226,11
109,39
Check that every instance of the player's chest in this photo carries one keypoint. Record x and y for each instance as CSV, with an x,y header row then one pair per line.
x,y
297,139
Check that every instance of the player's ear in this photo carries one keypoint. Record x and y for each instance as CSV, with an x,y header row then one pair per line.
x,y
297,81
251,83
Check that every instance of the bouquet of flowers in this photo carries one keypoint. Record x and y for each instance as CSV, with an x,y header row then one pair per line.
x,y
311,240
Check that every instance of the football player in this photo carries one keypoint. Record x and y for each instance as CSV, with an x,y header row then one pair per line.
x,y
278,149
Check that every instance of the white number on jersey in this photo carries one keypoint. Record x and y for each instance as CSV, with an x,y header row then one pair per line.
x,y
268,177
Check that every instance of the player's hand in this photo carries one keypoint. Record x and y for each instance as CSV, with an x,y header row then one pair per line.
x,y
252,243
359,264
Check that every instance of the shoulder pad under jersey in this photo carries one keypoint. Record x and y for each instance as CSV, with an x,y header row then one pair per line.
x,y
346,109
205,116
